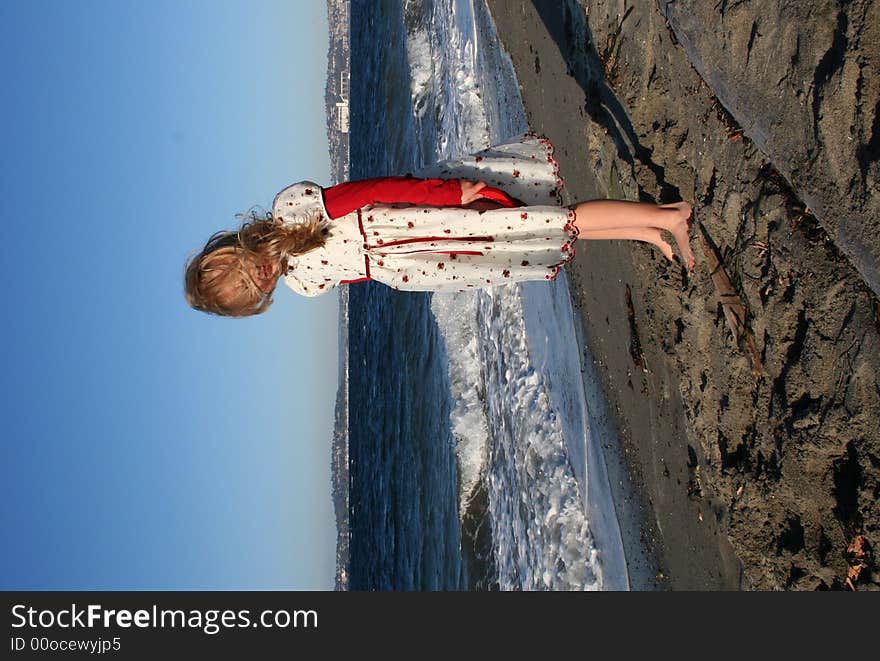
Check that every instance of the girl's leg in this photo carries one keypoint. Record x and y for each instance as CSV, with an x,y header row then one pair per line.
x,y
619,214
647,234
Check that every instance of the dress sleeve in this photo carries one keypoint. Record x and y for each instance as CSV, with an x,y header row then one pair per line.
x,y
346,197
298,203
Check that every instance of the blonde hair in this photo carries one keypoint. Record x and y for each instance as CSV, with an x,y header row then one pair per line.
x,y
217,280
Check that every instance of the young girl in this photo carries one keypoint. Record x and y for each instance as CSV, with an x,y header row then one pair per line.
x,y
486,219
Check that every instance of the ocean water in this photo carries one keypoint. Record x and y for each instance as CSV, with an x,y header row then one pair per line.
x,y
471,462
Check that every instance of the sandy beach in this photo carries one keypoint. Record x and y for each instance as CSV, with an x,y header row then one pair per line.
x,y
754,458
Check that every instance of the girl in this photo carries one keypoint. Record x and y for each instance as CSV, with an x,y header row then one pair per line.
x,y
449,230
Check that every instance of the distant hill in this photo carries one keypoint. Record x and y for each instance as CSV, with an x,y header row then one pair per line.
x,y
336,101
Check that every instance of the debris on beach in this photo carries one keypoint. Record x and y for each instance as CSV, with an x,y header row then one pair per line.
x,y
732,304
635,346
856,556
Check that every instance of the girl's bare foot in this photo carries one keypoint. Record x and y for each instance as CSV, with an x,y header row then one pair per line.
x,y
656,238
681,231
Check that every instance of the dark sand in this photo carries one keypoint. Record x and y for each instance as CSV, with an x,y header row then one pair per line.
x,y
730,479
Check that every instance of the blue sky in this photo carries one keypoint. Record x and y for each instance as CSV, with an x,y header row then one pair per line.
x,y
147,445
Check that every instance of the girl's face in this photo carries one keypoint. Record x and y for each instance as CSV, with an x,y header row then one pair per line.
x,y
235,276
264,273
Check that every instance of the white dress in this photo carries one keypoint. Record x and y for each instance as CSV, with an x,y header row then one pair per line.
x,y
426,248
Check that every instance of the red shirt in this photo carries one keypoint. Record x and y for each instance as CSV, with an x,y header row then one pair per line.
x,y
344,198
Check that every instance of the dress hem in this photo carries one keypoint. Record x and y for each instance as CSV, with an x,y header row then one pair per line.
x,y
570,246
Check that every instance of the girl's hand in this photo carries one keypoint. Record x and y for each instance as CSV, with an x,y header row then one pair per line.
x,y
470,190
